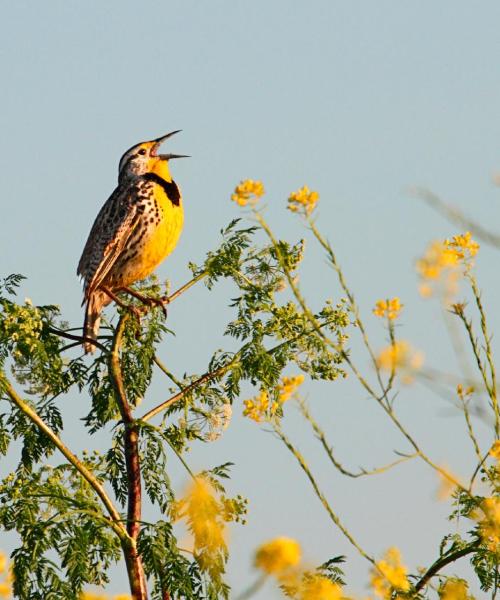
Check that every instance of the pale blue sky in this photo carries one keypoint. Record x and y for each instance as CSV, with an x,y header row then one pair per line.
x,y
360,100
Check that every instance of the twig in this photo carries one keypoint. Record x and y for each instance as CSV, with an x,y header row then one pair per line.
x,y
78,338
333,516
445,560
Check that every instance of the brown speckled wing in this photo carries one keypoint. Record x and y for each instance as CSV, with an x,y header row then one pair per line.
x,y
112,228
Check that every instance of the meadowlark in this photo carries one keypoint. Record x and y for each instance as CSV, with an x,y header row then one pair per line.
x,y
135,230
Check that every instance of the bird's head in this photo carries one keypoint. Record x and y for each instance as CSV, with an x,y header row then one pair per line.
x,y
144,158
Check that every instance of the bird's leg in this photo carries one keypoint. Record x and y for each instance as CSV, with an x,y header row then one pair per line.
x,y
148,300
135,311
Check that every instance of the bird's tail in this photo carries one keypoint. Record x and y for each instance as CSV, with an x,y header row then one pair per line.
x,y
96,302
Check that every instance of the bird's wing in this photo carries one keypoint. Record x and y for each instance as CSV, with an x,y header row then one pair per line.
x,y
113,226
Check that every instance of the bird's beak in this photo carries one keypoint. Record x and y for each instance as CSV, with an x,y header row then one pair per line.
x,y
170,156
158,141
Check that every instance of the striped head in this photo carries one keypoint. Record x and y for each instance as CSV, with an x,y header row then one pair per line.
x,y
144,158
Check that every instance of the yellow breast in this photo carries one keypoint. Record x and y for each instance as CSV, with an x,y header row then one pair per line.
x,y
163,239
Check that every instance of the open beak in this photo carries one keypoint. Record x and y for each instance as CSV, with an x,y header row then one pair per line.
x,y
158,141
170,156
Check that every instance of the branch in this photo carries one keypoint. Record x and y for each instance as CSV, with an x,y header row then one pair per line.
x,y
131,445
77,338
130,433
176,397
333,516
445,560
115,517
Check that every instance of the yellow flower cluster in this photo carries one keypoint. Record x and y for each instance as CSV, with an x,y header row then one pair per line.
x,y
400,356
303,200
247,191
288,386
261,408
257,408
441,262
390,309
489,522
464,393
389,574
204,514
278,556
448,483
495,450
454,590
319,588
281,558
463,246
6,584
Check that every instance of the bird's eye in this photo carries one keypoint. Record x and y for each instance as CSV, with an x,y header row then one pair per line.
x,y
142,151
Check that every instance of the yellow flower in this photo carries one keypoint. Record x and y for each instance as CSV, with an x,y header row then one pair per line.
x,y
442,260
278,556
5,590
303,201
489,522
3,562
92,596
320,588
388,308
204,515
464,393
495,450
389,574
400,356
257,408
288,386
247,191
463,246
122,597
454,590
448,483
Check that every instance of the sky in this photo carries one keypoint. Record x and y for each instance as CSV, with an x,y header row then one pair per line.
x,y
361,101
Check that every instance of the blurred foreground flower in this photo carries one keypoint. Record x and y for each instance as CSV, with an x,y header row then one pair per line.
x,y
204,514
488,518
495,450
442,261
6,584
402,358
388,308
448,483
288,386
319,588
389,574
454,590
278,556
303,201
247,191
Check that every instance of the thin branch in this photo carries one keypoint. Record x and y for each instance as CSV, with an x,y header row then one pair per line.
x,y
77,338
176,397
444,560
115,517
333,516
320,434
488,351
350,296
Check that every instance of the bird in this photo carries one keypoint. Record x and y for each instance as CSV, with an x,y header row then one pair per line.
x,y
135,230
